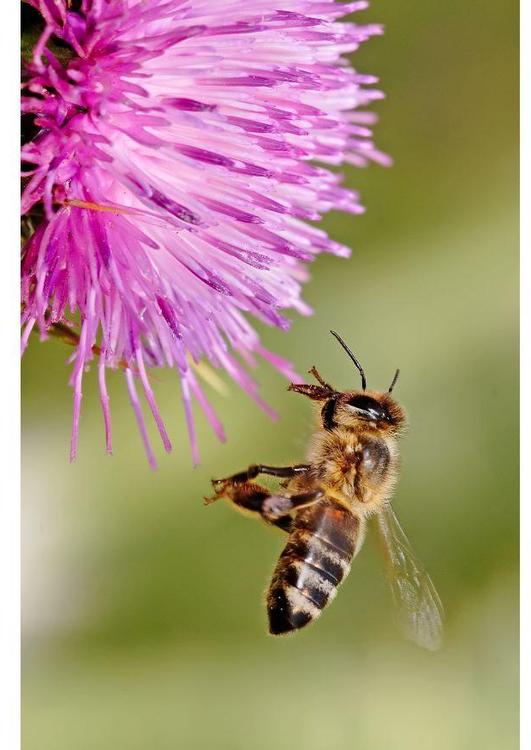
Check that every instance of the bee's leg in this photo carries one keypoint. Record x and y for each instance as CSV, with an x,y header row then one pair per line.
x,y
284,472
271,507
279,506
283,523
317,375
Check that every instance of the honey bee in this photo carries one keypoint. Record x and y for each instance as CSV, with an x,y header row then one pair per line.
x,y
326,504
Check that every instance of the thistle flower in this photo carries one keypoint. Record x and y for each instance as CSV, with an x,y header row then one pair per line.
x,y
175,168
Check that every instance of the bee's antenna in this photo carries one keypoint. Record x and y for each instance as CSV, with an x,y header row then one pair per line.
x,y
397,373
353,358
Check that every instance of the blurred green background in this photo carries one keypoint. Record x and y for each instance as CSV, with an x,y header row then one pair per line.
x,y
144,624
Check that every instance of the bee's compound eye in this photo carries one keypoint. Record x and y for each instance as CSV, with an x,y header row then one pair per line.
x,y
371,408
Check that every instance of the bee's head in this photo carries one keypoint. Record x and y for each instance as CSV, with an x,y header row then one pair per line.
x,y
373,409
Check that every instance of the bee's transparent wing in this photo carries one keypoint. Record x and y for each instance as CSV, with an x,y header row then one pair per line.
x,y
420,612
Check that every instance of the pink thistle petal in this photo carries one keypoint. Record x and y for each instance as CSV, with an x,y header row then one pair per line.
x,y
26,334
279,363
206,407
104,399
77,379
187,401
133,395
150,398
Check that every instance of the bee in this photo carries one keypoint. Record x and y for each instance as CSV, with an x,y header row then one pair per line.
x,y
326,504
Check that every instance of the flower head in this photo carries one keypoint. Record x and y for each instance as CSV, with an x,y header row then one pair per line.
x,y
181,150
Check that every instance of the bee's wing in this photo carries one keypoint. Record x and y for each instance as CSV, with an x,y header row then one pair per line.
x,y
420,612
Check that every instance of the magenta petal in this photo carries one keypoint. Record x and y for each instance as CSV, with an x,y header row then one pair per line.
x,y
190,420
133,395
104,399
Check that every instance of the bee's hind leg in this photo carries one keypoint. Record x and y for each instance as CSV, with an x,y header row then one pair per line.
x,y
271,507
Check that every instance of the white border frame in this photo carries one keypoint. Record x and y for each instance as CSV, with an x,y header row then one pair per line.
x,y
10,381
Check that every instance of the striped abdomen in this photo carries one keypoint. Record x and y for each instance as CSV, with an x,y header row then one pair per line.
x,y
322,542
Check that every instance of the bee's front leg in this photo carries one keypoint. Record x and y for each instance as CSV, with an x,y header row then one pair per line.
x,y
283,472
